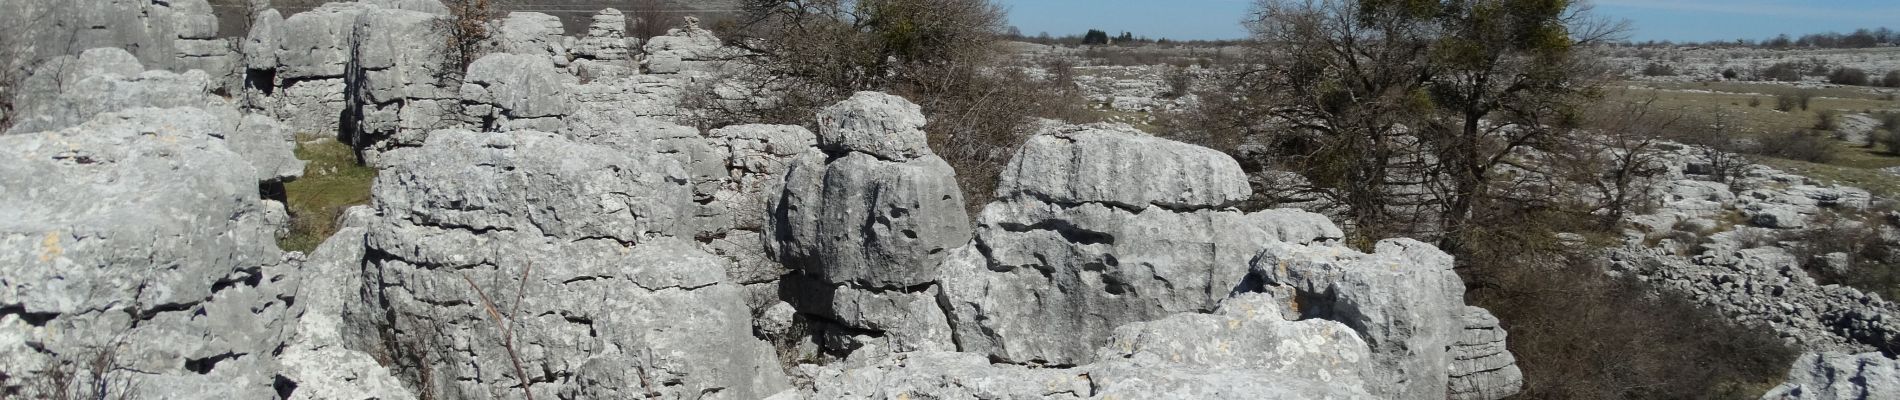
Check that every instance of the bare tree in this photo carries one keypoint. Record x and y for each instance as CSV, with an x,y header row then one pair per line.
x,y
1715,137
940,54
467,30
1625,145
1399,109
652,18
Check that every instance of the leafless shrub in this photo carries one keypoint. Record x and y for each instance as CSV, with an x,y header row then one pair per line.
x,y
1180,80
467,31
505,325
1824,120
940,54
1872,262
92,375
1717,136
1803,145
1580,334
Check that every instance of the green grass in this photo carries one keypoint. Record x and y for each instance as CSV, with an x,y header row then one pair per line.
x,y
1852,165
332,182
1758,120
1878,183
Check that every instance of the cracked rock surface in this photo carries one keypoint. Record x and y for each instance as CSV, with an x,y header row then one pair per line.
x,y
570,244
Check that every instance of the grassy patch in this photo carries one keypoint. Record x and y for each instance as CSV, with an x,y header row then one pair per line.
x,y
332,182
1759,120
1878,183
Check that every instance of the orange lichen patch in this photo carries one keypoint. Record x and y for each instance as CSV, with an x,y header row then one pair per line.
x,y
49,247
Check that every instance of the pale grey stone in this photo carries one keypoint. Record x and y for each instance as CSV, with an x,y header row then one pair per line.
x,y
533,34
585,235
1407,304
868,221
512,91
878,124
153,242
1120,166
1840,376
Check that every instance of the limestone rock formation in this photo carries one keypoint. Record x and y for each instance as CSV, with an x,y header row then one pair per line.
x,y
70,91
73,91
1151,171
867,218
1089,265
1407,303
505,91
322,356
533,34
152,252
1840,376
606,38
1244,350
686,49
397,88
176,36
609,302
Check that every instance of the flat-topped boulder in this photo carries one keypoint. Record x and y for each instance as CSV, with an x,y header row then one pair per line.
x,y
1119,166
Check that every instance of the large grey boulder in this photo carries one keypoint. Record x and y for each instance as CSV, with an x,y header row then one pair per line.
x,y
881,210
685,49
312,52
533,34
1112,165
530,181
1245,350
1482,367
399,86
505,91
1840,376
877,124
149,247
611,304
870,222
177,36
71,91
1408,305
78,100
323,354
1085,265
606,38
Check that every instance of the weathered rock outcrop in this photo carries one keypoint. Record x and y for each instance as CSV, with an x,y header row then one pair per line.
x,y
70,91
1088,261
398,86
1840,376
323,355
506,91
1732,247
1408,304
1244,350
575,243
533,34
177,36
607,39
152,252
686,49
868,220
296,66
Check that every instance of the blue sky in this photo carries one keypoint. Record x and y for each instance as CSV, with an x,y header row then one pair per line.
x,y
1692,20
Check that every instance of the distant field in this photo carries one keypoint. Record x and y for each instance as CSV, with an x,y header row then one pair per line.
x,y
1853,165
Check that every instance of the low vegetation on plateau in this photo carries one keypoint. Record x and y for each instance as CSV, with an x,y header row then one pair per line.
x,y
333,181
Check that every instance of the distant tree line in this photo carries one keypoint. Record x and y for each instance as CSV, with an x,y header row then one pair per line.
x,y
1098,37
1859,39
